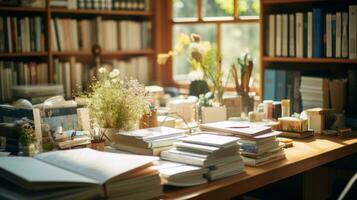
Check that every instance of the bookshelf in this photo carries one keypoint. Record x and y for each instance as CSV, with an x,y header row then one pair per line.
x,y
48,55
329,65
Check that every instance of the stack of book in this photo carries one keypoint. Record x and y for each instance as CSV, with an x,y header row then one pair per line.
x,y
110,35
258,142
314,92
72,139
180,175
149,141
262,149
79,174
219,153
21,34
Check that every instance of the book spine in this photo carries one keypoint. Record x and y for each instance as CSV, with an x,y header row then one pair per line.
x,y
292,35
328,35
338,37
299,35
352,32
333,36
344,45
278,41
309,34
285,28
272,35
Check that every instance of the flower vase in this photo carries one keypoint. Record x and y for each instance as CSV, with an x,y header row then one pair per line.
x,y
99,146
247,103
218,96
109,134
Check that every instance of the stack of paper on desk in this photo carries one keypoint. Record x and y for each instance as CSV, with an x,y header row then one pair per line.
x,y
219,153
179,174
79,174
258,143
261,149
149,141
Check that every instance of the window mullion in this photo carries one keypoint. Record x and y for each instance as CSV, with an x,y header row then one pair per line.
x,y
235,9
199,10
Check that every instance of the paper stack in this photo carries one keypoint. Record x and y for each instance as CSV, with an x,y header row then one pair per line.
x,y
149,141
219,153
179,174
258,144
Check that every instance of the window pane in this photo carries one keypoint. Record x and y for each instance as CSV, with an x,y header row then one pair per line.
x,y
218,8
185,9
248,7
182,66
238,39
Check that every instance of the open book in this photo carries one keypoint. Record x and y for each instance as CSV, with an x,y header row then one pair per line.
x,y
79,174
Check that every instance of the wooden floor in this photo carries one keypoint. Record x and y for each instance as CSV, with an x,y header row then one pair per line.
x,y
305,155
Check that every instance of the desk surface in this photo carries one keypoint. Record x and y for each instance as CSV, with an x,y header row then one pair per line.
x,y
305,155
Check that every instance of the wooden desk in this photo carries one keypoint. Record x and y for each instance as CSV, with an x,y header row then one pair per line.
x,y
305,155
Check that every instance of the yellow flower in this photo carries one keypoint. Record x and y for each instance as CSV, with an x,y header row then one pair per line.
x,y
184,39
162,58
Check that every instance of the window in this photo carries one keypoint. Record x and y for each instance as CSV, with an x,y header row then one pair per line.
x,y
231,25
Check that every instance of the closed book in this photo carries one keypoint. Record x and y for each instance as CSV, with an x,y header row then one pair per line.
x,y
236,128
309,35
281,88
338,38
318,31
299,35
272,35
333,36
285,37
264,160
328,22
344,37
211,140
352,44
269,84
291,35
278,37
138,150
298,135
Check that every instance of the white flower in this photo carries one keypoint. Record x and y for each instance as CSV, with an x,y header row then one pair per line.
x,y
102,70
114,73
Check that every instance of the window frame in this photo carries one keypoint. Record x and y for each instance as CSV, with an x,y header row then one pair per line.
x,y
217,21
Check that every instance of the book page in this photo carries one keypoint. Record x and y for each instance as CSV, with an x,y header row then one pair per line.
x,y
34,174
100,166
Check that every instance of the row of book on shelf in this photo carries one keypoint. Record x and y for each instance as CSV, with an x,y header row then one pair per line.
x,y
313,34
110,35
306,91
72,74
102,4
24,3
21,34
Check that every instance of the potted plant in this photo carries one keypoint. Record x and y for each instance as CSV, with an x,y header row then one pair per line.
x,y
27,140
98,136
116,103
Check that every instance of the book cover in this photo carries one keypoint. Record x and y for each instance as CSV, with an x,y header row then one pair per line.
x,y
269,84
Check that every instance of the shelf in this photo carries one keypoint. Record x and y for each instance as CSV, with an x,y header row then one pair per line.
x,y
23,54
101,12
105,54
310,60
297,1
22,9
